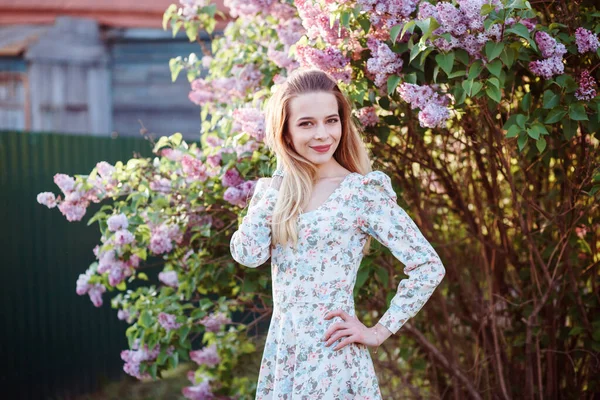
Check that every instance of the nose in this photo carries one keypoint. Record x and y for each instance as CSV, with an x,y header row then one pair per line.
x,y
321,131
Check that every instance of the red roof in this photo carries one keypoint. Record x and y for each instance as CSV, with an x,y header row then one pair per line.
x,y
115,13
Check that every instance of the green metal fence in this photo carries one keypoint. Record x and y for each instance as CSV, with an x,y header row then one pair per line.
x,y
55,344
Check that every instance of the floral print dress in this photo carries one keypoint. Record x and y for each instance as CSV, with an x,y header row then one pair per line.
x,y
319,277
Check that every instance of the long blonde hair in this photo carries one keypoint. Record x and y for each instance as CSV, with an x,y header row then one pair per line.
x,y
300,174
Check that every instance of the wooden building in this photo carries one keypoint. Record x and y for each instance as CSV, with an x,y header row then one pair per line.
x,y
97,68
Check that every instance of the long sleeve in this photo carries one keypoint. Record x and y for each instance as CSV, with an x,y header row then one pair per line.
x,y
250,245
382,218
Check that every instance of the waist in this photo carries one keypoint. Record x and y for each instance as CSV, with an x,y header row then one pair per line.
x,y
291,300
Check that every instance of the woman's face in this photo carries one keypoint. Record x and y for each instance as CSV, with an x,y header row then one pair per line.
x,y
314,126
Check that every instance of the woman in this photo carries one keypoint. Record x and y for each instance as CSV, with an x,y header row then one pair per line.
x,y
314,218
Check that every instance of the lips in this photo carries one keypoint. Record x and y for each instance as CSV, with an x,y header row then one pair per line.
x,y
321,149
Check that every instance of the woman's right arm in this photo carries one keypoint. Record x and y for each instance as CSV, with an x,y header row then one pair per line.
x,y
250,245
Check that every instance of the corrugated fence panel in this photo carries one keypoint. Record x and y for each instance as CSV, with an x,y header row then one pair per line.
x,y
55,344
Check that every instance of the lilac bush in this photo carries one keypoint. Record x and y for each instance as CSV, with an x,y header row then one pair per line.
x,y
413,68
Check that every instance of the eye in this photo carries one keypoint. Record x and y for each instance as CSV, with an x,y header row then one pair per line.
x,y
333,120
305,123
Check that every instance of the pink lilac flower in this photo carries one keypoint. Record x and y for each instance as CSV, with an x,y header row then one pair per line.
x,y
47,199
167,321
317,24
125,315
193,168
189,9
367,116
548,67
587,86
171,154
162,185
548,46
247,7
116,222
207,356
162,238
234,196
65,183
282,11
586,40
213,322
433,106
95,293
118,273
433,116
201,391
123,237
214,159
451,19
214,141
169,278
231,178
385,13
105,170
383,62
250,121
290,31
73,211
330,60
134,357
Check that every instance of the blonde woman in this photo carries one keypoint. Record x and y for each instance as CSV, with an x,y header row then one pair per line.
x,y
315,218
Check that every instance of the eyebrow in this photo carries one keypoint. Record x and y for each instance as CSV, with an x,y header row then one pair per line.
x,y
329,116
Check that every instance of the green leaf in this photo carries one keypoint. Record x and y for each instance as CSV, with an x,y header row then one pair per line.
x,y
477,86
513,131
467,85
392,83
494,93
183,333
577,112
394,32
519,30
475,69
521,120
541,144
526,102
414,52
175,65
533,133
555,115
522,141
508,56
345,19
495,67
145,319
445,61
408,27
550,99
493,49
569,128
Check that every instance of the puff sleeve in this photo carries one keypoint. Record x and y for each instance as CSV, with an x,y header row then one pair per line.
x,y
250,245
381,217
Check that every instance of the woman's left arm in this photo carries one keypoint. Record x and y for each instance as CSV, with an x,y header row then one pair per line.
x,y
387,222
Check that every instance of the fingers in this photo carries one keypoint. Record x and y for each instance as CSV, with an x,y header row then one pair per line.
x,y
345,342
337,335
333,328
338,313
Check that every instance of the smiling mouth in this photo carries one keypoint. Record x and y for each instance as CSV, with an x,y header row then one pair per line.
x,y
321,148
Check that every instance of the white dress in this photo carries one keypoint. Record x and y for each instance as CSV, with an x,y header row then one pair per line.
x,y
320,277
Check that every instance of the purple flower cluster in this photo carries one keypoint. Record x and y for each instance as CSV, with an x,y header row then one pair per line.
x,y
586,40
367,116
189,8
47,199
383,62
200,391
587,86
231,178
290,31
162,237
117,269
244,8
213,322
434,107
238,195
117,222
383,14
243,79
464,24
94,290
330,60
207,356
316,22
193,168
167,321
250,121
169,278
134,357
553,52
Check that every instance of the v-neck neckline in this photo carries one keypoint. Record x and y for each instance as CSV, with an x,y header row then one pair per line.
x,y
331,196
